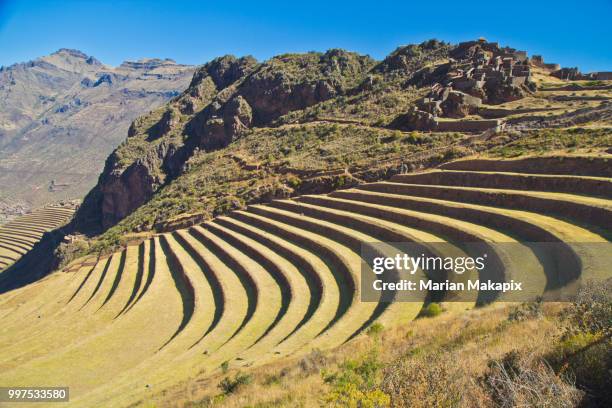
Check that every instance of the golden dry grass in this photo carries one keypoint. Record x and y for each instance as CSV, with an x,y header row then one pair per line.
x,y
165,321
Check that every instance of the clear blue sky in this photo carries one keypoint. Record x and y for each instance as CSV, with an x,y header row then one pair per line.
x,y
568,32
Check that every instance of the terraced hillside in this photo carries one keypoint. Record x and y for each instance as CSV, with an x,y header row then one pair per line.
x,y
18,236
283,278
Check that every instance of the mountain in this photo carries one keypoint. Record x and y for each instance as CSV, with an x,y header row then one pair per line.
x,y
280,117
62,114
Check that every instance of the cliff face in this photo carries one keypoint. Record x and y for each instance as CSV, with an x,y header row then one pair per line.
x,y
225,97
67,102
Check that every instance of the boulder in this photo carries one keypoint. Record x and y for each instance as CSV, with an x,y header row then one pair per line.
x,y
238,116
414,120
459,105
501,91
169,120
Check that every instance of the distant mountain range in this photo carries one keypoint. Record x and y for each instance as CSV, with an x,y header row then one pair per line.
x,y
62,114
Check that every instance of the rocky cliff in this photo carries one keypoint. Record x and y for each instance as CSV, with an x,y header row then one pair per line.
x,y
225,97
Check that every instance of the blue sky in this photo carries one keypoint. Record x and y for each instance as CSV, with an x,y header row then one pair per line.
x,y
568,32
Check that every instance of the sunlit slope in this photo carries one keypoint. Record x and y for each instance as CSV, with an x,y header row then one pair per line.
x,y
283,278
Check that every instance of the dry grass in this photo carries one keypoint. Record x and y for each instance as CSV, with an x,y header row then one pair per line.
x,y
448,353
170,279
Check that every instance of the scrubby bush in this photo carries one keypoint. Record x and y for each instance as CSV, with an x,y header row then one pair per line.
x,y
426,380
313,362
526,311
293,181
272,379
413,138
431,310
65,252
230,385
375,329
585,350
591,312
356,384
519,380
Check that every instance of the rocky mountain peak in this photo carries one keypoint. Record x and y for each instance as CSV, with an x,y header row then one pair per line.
x,y
147,64
53,105
71,52
408,57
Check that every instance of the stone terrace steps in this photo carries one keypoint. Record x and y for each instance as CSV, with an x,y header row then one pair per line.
x,y
593,186
284,278
19,235
583,209
593,166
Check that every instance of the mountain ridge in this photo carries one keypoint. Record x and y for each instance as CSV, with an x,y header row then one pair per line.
x,y
229,96
69,100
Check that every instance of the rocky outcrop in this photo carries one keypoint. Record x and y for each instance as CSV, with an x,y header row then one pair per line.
x,y
124,190
275,88
169,120
296,81
414,120
407,59
458,104
237,116
224,71
132,175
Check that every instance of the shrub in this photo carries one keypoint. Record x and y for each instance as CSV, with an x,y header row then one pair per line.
x,y
313,362
349,395
272,379
420,381
526,311
66,252
431,310
591,312
375,329
356,384
413,138
453,153
585,350
293,181
519,380
230,385
588,359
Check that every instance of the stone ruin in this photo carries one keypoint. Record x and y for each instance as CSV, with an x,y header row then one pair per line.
x,y
574,74
538,61
416,119
478,72
569,74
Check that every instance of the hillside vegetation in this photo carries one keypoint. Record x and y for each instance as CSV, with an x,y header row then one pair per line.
x,y
245,132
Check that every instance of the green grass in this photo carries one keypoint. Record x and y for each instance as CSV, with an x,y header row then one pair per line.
x,y
550,140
